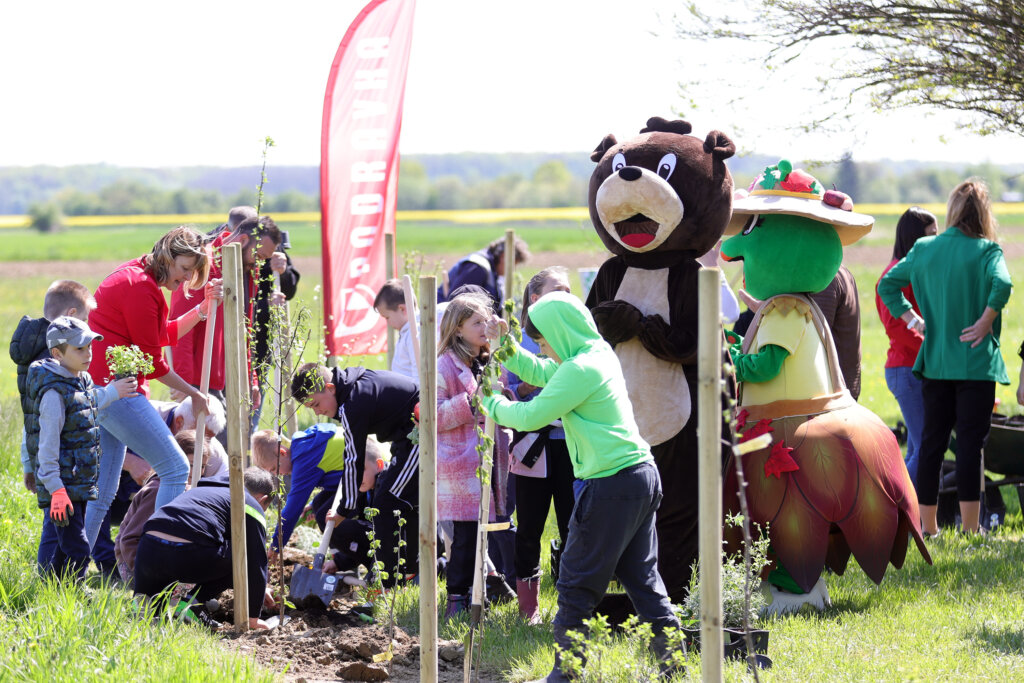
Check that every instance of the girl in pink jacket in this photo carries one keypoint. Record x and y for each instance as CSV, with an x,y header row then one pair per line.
x,y
463,351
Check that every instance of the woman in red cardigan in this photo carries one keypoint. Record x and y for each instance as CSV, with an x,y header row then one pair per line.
x,y
132,309
904,343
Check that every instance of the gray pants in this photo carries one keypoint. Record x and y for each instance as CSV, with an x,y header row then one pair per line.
x,y
612,532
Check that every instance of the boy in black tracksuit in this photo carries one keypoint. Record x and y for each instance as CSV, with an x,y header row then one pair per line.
x,y
189,541
381,403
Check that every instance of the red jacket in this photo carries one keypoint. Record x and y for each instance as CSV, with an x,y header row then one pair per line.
x,y
131,309
903,343
187,354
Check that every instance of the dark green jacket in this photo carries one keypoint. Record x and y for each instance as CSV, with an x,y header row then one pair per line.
x,y
954,278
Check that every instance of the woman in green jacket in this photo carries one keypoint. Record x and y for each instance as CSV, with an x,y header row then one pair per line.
x,y
961,284
618,488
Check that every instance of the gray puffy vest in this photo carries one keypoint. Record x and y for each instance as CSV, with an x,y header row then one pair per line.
x,y
80,438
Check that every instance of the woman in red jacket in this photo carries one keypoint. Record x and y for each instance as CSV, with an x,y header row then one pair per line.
x,y
904,343
131,309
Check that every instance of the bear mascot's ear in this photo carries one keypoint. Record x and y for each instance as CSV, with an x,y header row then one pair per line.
x,y
719,146
602,147
656,124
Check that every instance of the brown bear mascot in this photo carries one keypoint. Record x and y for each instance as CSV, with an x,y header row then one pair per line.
x,y
659,201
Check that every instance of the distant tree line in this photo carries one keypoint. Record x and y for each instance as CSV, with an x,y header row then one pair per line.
x,y
127,197
426,184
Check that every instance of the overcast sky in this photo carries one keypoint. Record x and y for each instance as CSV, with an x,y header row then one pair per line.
x,y
202,83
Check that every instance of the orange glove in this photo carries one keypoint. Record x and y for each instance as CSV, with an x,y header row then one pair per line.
x,y
61,508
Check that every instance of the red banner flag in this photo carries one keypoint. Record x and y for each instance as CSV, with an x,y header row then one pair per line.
x,y
359,171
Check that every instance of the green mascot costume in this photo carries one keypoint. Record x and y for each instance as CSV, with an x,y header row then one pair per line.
x,y
833,482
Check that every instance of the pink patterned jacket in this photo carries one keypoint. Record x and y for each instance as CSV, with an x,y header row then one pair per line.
x,y
458,489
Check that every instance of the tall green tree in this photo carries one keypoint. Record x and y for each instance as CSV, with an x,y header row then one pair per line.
x,y
960,55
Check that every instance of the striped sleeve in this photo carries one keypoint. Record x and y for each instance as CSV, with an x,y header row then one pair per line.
x,y
351,475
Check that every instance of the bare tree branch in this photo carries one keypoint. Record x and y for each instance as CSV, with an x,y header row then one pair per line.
x,y
958,55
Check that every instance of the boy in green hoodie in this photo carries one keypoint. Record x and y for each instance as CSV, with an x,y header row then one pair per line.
x,y
618,489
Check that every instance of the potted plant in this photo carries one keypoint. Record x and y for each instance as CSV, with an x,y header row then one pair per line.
x,y
128,361
742,602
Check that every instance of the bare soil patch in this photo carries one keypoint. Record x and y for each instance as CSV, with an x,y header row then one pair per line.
x,y
335,644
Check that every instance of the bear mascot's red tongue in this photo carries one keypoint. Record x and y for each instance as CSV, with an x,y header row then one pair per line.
x,y
637,239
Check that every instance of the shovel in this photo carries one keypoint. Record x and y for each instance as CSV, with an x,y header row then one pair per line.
x,y
311,583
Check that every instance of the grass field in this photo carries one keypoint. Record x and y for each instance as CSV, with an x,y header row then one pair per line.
x,y
959,620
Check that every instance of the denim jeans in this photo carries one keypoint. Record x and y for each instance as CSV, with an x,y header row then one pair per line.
x,y
135,423
907,390
612,532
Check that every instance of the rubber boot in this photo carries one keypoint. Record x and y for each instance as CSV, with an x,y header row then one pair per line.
x,y
456,605
528,592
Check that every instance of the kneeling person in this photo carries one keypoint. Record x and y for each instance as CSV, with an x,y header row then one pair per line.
x,y
189,541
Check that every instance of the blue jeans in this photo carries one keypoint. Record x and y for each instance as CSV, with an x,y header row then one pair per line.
x,y
907,390
133,422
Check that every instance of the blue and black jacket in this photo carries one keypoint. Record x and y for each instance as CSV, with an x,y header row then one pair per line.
x,y
319,456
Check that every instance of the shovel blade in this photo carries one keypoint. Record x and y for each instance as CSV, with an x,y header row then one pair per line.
x,y
309,585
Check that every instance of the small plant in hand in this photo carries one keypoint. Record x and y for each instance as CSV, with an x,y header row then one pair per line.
x,y
128,361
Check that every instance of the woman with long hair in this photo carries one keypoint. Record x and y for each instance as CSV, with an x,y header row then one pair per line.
x,y
131,310
961,283
904,343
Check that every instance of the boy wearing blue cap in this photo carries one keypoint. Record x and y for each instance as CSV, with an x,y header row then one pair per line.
x,y
62,436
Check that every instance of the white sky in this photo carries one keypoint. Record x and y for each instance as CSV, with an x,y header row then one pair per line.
x,y
202,83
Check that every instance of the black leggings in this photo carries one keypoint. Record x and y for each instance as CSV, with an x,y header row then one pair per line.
x,y
533,503
967,404
459,572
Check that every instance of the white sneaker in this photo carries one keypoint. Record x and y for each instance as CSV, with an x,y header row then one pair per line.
x,y
781,602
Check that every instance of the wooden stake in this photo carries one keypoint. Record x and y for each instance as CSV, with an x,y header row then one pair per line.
x,y
480,560
709,449
238,425
428,477
410,306
204,388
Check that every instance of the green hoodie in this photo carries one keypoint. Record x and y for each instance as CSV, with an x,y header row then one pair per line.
x,y
586,391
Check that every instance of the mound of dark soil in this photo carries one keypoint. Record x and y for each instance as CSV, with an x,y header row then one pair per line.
x,y
336,643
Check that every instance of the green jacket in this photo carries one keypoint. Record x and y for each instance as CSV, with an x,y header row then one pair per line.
x,y
586,391
954,278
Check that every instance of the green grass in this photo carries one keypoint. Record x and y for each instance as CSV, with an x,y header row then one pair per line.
x,y
54,631
121,243
960,620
